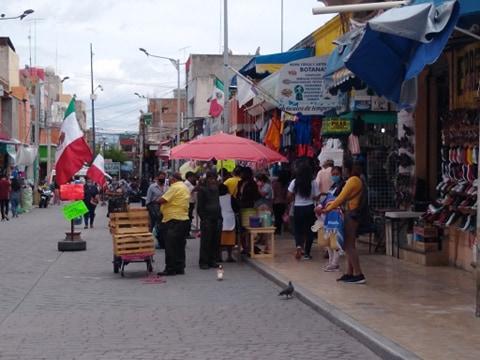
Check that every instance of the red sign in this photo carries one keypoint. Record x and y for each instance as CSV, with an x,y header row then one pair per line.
x,y
71,192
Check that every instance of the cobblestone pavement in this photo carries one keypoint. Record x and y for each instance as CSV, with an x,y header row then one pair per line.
x,y
71,306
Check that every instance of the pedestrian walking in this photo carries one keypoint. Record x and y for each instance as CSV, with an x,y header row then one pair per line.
x,y
229,207
191,183
91,199
4,196
303,192
174,207
154,193
15,195
210,213
351,198
280,191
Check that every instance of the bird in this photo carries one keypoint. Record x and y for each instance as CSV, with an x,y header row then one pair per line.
x,y
288,291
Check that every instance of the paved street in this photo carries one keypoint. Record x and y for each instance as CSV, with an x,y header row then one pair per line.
x,y
71,306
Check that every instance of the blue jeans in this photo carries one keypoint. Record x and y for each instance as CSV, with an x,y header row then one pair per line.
x,y
14,202
303,219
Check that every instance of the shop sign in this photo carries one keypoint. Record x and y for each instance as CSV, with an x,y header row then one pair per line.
x,y
335,126
112,167
148,118
301,87
466,77
74,210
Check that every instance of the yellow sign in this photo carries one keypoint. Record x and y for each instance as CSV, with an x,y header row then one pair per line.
x,y
336,126
466,74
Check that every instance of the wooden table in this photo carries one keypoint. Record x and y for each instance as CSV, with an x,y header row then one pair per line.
x,y
270,233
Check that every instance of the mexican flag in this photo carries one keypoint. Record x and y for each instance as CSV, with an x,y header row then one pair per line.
x,y
72,150
96,172
216,100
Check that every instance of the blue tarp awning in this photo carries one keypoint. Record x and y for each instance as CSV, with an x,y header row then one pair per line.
x,y
394,47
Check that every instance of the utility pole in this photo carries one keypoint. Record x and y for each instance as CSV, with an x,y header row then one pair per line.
x,y
141,141
36,165
177,162
92,98
281,26
226,114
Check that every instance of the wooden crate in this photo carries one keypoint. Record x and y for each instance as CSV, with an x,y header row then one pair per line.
x,y
128,244
129,222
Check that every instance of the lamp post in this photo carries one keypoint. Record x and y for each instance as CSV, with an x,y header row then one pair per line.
x,y
21,16
176,64
141,136
93,97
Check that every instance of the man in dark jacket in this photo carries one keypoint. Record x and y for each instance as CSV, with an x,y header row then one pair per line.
x,y
210,213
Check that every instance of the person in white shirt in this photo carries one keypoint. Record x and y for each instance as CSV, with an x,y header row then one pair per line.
x,y
303,192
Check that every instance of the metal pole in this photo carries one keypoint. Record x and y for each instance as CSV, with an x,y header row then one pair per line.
x,y
477,262
92,97
140,163
49,150
225,67
36,165
177,162
281,27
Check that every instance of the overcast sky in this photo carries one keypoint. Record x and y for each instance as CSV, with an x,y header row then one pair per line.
x,y
62,31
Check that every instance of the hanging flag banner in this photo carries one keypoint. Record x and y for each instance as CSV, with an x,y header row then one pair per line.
x,y
74,210
301,87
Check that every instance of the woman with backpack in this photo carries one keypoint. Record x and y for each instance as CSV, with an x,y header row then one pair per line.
x,y
352,197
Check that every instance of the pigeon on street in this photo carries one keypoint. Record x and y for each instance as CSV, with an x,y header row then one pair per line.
x,y
288,291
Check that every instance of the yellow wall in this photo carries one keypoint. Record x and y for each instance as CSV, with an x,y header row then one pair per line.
x,y
325,35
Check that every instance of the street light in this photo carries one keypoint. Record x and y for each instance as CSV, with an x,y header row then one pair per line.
x,y
21,16
140,95
176,64
65,78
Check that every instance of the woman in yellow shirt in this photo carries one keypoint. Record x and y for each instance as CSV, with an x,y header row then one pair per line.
x,y
350,197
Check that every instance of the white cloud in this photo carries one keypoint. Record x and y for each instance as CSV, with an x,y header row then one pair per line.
x,y
117,28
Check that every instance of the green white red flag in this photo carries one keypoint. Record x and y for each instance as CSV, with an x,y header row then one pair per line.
x,y
96,171
72,150
216,100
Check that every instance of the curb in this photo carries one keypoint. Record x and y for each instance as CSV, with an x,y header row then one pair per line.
x,y
380,345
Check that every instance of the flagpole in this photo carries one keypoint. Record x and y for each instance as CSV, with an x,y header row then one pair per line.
x,y
92,98
226,126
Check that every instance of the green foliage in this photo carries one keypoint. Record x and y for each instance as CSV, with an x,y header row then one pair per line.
x,y
115,155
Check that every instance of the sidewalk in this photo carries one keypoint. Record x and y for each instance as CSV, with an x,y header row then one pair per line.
x,y
426,310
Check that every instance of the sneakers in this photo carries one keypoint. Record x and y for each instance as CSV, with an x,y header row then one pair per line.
x,y
353,279
331,268
307,257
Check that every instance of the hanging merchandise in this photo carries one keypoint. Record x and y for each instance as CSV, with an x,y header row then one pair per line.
x,y
332,150
272,138
353,144
405,180
303,135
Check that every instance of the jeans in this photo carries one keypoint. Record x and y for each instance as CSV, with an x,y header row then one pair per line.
x,y
4,208
210,232
14,202
303,219
175,241
90,215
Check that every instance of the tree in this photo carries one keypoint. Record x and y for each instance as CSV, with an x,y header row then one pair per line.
x,y
115,155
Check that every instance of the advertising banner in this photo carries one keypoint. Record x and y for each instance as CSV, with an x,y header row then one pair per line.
x,y
301,87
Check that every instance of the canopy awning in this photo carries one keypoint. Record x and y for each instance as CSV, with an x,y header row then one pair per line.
x,y
373,117
394,47
261,66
